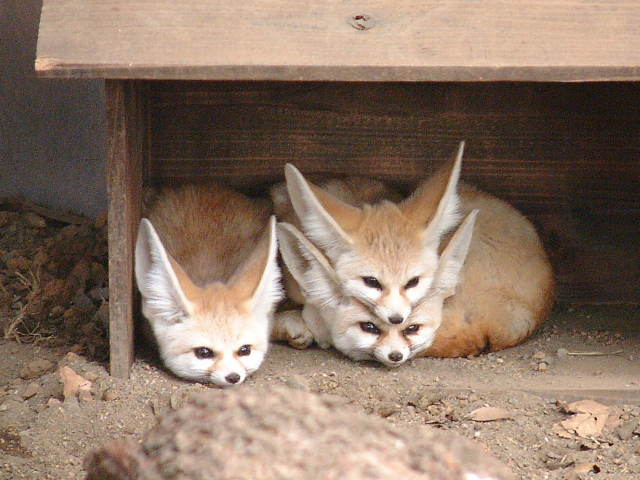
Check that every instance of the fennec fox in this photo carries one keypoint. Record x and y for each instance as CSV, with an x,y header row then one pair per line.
x,y
384,255
205,264
488,289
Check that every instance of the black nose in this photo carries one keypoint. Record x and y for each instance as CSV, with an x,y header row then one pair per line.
x,y
395,319
395,356
235,378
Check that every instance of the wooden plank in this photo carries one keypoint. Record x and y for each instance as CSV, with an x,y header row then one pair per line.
x,y
124,184
568,155
412,40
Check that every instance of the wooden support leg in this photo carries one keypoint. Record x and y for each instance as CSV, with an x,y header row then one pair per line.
x,y
124,185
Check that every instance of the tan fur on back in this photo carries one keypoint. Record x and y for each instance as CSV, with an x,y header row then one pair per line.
x,y
212,231
507,285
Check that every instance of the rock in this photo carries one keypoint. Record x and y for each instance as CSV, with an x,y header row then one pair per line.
x,y
35,220
79,275
538,356
56,311
232,434
55,291
73,384
562,353
35,369
625,431
542,366
109,395
387,409
30,390
71,317
53,402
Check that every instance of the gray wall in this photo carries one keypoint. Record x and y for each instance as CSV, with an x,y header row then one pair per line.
x,y
52,132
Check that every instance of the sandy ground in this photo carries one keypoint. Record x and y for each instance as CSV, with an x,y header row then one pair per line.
x,y
41,438
53,307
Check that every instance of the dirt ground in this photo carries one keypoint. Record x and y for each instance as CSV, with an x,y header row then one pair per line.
x,y
580,353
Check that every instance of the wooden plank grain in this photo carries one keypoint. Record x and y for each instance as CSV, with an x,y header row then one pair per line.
x,y
568,156
124,183
412,40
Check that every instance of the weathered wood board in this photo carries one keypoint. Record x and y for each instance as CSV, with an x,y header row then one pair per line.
x,y
566,155
363,40
124,180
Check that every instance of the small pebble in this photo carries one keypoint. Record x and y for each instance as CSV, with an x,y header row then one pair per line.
x,y
625,431
110,395
539,355
562,353
53,402
386,410
35,369
542,367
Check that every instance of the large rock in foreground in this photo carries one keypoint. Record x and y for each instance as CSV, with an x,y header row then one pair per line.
x,y
289,434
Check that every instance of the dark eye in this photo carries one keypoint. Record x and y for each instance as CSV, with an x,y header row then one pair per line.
x,y
372,282
412,283
203,352
369,327
244,350
411,330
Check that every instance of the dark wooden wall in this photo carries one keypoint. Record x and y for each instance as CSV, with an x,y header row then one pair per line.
x,y
567,155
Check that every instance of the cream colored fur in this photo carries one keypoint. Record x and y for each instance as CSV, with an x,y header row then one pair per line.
x,y
504,291
205,264
384,254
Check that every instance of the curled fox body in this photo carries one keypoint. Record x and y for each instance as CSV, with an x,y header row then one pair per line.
x,y
390,281
205,265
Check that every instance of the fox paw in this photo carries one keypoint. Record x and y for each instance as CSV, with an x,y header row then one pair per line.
x,y
294,330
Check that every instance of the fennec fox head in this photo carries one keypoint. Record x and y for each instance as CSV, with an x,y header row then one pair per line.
x,y
217,333
354,330
384,255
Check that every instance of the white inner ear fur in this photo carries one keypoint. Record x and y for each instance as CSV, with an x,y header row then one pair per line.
x,y
447,214
452,259
269,291
163,299
308,266
317,223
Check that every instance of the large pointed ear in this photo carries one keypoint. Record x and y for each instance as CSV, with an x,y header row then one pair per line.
x,y
452,259
325,219
159,279
257,280
439,194
309,267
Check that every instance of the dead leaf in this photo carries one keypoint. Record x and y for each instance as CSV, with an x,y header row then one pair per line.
x,y
588,421
584,424
586,406
489,414
561,431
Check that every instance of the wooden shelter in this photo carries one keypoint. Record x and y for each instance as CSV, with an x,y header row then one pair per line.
x,y
546,94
